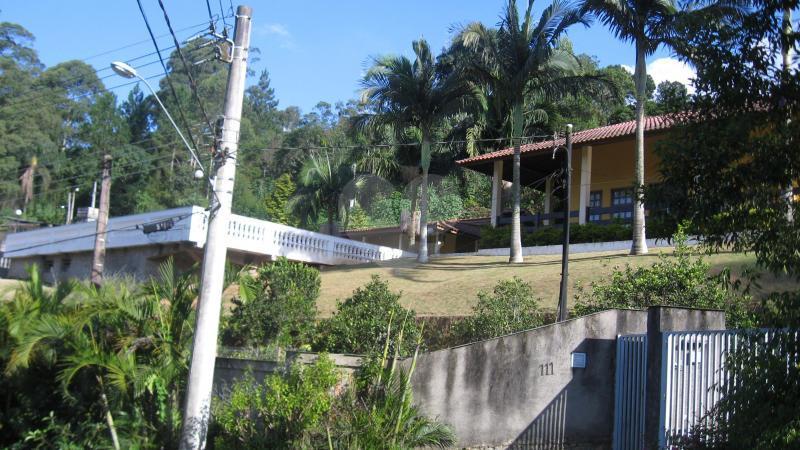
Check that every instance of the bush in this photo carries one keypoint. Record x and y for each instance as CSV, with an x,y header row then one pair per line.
x,y
361,322
282,412
680,279
278,305
377,411
511,307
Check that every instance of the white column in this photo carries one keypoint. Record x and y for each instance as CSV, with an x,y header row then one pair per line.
x,y
497,191
586,183
548,198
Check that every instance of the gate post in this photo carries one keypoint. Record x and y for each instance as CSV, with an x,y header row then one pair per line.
x,y
661,319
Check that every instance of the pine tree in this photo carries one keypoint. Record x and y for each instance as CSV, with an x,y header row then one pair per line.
x,y
276,203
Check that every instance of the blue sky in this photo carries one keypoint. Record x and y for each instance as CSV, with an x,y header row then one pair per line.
x,y
314,50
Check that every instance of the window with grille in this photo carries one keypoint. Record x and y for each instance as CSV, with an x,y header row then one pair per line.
x,y
622,197
595,201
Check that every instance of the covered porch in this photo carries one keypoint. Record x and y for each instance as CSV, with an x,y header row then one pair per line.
x,y
602,177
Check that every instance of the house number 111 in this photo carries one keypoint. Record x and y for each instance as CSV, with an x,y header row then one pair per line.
x,y
546,369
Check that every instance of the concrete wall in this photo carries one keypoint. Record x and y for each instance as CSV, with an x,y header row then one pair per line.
x,y
228,370
520,390
138,262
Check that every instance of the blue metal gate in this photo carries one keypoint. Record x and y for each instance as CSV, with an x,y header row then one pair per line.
x,y
629,392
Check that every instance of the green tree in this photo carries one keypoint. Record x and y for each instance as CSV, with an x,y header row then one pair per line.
x,y
276,306
323,178
520,59
511,307
119,355
671,97
277,202
361,323
681,279
283,411
647,24
407,94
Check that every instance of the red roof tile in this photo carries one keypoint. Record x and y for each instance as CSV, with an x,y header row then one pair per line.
x,y
594,135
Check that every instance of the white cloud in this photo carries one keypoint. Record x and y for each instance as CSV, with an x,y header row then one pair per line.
x,y
276,29
628,68
279,33
671,69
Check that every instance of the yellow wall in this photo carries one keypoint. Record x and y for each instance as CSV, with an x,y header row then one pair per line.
x,y
613,168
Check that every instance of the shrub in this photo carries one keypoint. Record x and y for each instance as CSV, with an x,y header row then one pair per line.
x,y
282,412
511,307
278,305
378,411
578,234
361,322
680,279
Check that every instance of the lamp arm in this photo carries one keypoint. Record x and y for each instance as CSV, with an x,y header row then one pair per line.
x,y
172,121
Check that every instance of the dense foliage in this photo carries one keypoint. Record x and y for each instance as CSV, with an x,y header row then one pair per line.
x,y
88,367
276,305
310,407
362,322
510,307
679,279
742,130
283,411
56,122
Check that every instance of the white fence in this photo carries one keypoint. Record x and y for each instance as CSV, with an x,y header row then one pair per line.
x,y
188,225
694,377
260,236
629,392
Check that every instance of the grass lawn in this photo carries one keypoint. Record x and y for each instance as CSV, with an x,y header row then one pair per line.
x,y
448,285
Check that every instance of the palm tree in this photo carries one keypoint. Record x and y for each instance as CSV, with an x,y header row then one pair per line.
x,y
133,343
413,95
323,178
521,59
646,23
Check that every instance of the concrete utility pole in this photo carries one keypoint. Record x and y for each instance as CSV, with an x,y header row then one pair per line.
x,y
204,349
562,296
99,256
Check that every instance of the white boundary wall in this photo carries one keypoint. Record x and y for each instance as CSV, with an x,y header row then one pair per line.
x,y
188,225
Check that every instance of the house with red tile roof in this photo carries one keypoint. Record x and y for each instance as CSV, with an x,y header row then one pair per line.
x,y
602,172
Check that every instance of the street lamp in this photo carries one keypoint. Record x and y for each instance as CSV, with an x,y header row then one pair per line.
x,y
124,70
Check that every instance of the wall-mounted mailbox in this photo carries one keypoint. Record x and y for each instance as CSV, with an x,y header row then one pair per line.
x,y
578,360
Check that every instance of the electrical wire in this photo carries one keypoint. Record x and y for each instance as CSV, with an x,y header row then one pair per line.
x,y
166,74
129,61
531,139
108,231
186,66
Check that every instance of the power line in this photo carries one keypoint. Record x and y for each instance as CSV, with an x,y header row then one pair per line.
x,y
90,235
166,73
102,69
530,139
86,94
192,83
124,47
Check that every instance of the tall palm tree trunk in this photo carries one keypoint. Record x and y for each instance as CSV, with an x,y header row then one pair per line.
x,y
413,226
422,254
515,248
639,243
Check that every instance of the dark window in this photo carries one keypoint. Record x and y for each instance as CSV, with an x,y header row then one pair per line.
x,y
47,264
65,263
595,201
622,197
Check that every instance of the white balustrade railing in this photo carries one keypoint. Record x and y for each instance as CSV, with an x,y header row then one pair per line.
x,y
188,225
263,237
